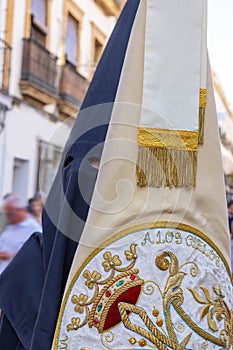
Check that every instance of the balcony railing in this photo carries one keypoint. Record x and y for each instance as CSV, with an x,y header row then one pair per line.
x,y
5,64
72,89
39,66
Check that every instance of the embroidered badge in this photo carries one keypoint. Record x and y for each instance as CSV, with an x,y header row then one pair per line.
x,y
163,291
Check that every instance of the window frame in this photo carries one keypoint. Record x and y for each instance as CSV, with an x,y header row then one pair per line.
x,y
44,29
72,9
97,35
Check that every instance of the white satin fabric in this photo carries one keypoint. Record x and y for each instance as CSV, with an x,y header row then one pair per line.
x,y
172,66
204,58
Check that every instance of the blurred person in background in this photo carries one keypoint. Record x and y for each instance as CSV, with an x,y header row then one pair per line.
x,y
232,256
35,207
230,221
230,217
20,227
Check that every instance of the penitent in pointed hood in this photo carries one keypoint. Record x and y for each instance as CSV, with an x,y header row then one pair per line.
x,y
152,266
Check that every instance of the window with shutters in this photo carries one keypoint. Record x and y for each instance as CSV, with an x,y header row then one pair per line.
x,y
39,28
98,43
72,40
72,28
49,157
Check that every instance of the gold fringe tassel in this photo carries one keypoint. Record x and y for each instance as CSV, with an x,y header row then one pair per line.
x,y
157,167
202,108
168,138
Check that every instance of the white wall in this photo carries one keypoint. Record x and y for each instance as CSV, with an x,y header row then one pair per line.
x,y
225,122
56,27
24,128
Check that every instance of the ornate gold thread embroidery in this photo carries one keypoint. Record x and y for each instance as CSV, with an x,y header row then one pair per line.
x,y
111,262
169,139
91,278
159,320
173,295
155,312
186,340
113,286
109,338
133,341
80,301
75,322
154,336
149,288
111,301
63,344
172,289
194,270
197,329
170,327
216,308
159,224
142,343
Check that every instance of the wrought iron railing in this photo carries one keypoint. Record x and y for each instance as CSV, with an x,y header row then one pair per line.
x,y
5,65
73,86
39,66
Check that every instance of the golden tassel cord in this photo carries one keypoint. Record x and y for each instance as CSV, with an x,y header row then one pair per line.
x,y
201,125
202,108
158,167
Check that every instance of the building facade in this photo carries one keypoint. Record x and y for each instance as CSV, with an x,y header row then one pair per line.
x,y
225,122
48,53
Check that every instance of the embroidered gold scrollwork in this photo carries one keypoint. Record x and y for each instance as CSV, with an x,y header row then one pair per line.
x,y
172,289
173,296
106,339
159,331
216,309
173,293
